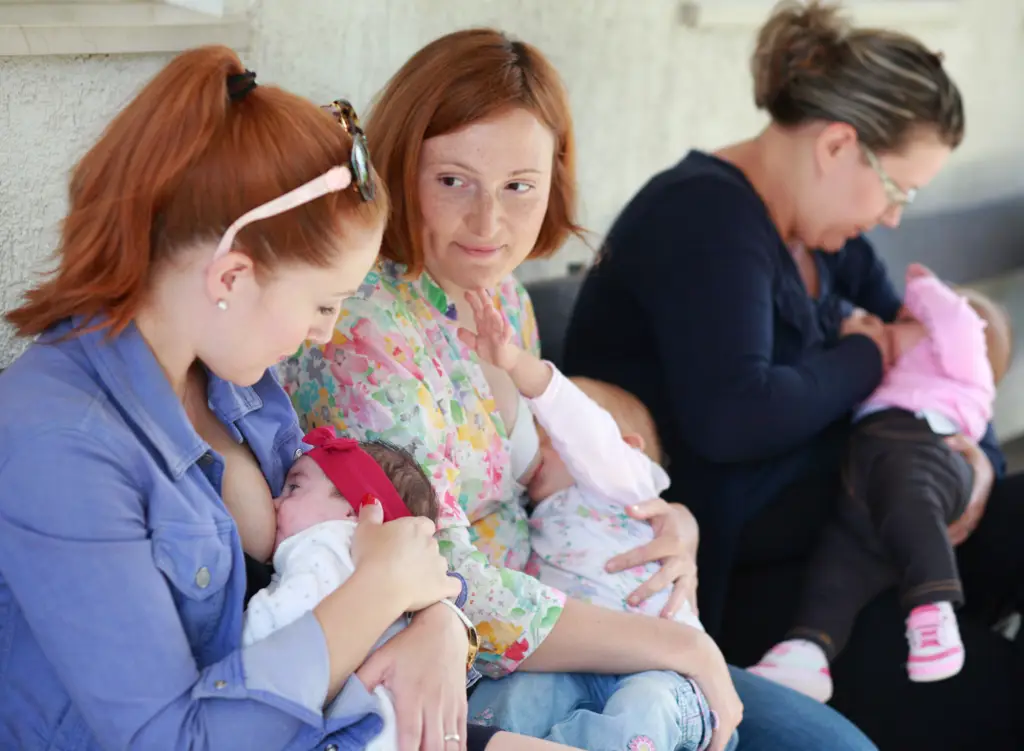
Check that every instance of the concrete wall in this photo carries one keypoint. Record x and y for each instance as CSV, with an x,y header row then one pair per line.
x,y
644,89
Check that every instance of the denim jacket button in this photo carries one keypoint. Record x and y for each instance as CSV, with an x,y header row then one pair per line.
x,y
220,684
203,578
206,459
297,454
332,747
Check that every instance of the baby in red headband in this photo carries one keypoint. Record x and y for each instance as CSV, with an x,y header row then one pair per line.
x,y
316,520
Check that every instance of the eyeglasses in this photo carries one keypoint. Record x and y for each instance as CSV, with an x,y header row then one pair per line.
x,y
898,197
343,111
332,181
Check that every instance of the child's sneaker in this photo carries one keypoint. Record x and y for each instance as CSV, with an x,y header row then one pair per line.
x,y
936,652
799,664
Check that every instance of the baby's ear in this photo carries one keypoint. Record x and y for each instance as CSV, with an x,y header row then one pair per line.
x,y
635,440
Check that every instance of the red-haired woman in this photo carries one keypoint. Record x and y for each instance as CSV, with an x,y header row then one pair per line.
x,y
215,226
473,137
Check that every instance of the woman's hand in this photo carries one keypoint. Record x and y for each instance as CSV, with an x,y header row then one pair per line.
x,y
716,683
676,537
404,558
984,476
871,326
424,667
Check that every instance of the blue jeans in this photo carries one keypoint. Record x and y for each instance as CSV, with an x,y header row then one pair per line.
x,y
774,717
652,711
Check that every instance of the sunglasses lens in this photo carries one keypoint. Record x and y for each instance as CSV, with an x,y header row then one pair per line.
x,y
361,166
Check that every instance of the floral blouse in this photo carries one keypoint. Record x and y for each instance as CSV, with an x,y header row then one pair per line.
x,y
396,370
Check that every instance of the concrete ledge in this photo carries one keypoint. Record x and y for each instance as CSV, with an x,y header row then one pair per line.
x,y
111,28
750,14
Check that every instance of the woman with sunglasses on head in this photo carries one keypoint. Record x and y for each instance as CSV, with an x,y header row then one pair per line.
x,y
142,439
473,137
733,276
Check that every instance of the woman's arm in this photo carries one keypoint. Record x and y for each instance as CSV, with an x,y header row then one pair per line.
x,y
706,286
593,639
589,638
80,561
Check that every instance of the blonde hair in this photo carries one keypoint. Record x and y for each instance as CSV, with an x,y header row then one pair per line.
x,y
998,332
629,413
810,63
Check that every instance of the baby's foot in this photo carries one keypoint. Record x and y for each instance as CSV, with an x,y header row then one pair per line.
x,y
799,664
936,652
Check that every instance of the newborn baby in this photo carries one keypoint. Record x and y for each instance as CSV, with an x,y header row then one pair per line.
x,y
902,487
316,519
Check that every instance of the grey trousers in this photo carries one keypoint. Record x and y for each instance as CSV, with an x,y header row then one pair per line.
x,y
902,486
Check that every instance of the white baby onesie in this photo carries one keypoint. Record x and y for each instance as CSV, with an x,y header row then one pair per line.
x,y
574,532
308,566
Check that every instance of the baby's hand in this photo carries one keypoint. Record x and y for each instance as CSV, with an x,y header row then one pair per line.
x,y
493,338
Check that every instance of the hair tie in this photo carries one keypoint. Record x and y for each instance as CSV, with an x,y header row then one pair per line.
x,y
240,84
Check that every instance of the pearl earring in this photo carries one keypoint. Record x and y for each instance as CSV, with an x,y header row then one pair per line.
x,y
222,304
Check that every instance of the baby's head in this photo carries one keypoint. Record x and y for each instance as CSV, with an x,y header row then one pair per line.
x,y
549,474
338,476
902,335
998,330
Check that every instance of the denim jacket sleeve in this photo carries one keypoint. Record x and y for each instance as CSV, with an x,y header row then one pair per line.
x,y
77,555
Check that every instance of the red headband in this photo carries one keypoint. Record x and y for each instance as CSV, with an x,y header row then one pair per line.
x,y
354,472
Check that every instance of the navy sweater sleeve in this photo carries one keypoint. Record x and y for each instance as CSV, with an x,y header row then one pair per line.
x,y
706,289
862,279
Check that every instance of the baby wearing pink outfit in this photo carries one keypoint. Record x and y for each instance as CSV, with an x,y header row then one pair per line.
x,y
902,487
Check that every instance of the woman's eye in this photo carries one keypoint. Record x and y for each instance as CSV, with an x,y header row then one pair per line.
x,y
450,181
519,187
328,311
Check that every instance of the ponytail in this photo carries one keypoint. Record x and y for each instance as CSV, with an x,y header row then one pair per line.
x,y
177,166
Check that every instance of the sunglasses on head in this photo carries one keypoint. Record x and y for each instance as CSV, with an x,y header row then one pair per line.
x,y
343,111
335,179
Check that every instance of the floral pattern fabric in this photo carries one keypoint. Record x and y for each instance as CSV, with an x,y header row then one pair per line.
x,y
396,370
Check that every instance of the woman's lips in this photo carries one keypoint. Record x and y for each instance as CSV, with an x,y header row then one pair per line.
x,y
479,250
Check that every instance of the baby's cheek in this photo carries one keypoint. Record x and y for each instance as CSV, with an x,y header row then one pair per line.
x,y
293,518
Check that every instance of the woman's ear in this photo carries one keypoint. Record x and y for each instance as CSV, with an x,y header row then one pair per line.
x,y
227,275
834,144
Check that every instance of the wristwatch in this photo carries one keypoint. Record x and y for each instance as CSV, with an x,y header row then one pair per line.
x,y
471,634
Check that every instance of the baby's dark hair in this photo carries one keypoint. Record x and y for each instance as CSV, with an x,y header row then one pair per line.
x,y
406,474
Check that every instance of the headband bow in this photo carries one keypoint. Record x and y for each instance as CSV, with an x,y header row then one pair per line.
x,y
354,472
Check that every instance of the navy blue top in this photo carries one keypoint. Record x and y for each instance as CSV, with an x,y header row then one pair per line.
x,y
121,571
696,306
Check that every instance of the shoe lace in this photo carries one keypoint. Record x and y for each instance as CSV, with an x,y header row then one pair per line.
x,y
929,636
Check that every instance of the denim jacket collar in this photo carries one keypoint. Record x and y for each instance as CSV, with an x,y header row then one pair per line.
x,y
134,381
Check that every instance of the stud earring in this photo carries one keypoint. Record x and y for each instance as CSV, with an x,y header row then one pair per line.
x,y
222,304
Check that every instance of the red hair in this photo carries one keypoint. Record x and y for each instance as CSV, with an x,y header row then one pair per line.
x,y
175,168
453,82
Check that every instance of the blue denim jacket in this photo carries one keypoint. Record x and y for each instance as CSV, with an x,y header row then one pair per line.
x,y
122,576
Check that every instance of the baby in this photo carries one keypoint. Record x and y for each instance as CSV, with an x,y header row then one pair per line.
x,y
902,487
582,477
316,519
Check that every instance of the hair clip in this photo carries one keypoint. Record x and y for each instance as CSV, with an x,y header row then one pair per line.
x,y
240,84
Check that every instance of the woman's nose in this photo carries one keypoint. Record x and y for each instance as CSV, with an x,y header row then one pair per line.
x,y
322,331
483,220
